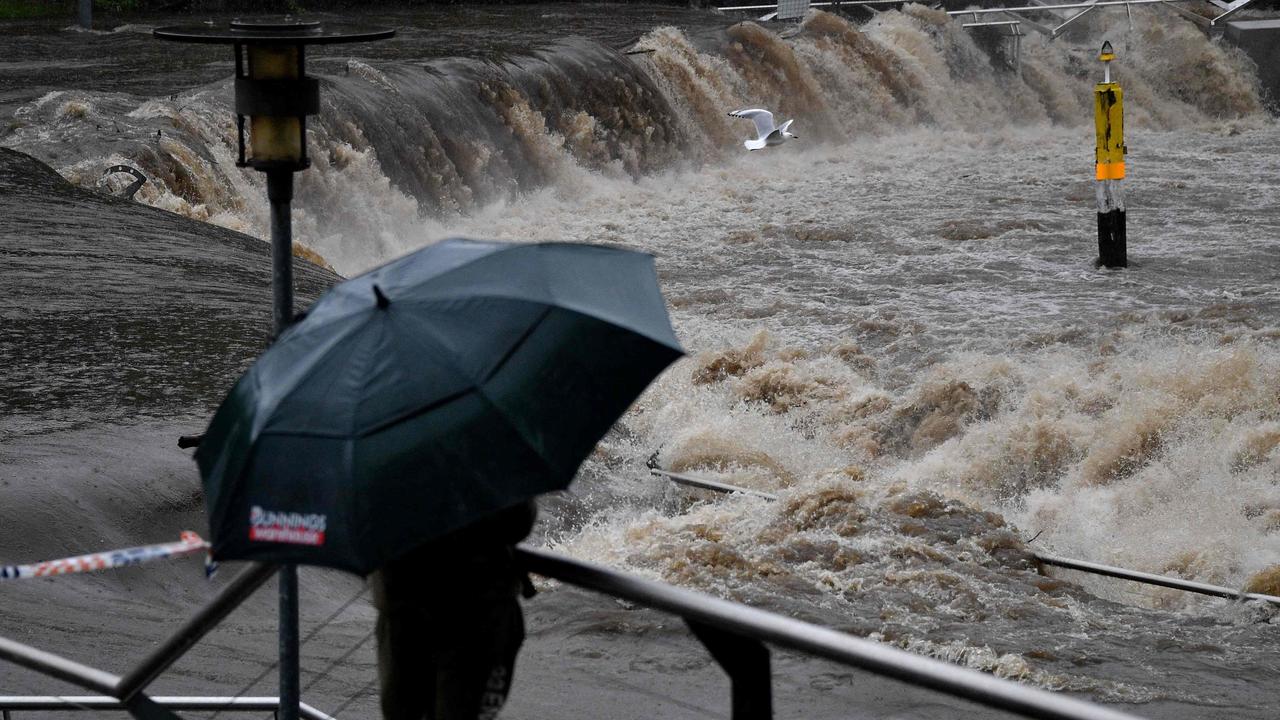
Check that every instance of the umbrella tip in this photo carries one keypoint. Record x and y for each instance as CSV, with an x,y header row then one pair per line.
x,y
383,302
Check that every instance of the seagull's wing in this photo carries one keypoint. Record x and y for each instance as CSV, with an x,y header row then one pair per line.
x,y
762,118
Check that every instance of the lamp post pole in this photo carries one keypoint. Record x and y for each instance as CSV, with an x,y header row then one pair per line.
x,y
275,95
290,660
280,197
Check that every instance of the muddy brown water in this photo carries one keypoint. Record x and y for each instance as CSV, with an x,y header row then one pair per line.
x,y
894,322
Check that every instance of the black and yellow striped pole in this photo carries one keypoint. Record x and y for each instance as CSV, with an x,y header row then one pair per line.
x,y
1108,115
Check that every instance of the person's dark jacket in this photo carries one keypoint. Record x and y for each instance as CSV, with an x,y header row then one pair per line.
x,y
473,562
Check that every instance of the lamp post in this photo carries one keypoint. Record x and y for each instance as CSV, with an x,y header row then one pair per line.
x,y
274,93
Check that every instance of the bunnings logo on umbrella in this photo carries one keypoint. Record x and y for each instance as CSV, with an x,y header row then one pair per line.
x,y
286,527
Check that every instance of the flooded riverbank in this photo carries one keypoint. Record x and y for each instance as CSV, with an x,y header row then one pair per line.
x,y
894,322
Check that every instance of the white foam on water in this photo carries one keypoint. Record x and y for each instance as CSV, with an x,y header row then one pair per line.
x,y
909,341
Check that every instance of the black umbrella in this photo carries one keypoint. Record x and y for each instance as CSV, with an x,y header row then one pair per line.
x,y
430,392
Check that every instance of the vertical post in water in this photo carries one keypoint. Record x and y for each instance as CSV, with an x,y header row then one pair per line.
x,y
1108,115
280,196
86,14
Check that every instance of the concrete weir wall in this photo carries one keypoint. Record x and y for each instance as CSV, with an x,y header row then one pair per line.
x,y
1261,40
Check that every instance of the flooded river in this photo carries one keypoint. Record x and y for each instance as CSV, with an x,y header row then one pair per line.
x,y
894,322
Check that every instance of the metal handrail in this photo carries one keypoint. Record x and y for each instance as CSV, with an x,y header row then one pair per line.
x,y
1152,579
836,3
705,484
700,611
1043,558
56,666
724,627
106,702
874,657
1231,8
126,692
1070,6
1063,6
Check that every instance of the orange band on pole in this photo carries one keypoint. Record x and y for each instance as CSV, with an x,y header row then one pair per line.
x,y
1111,171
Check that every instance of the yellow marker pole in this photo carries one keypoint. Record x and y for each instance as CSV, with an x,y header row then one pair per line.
x,y
1108,115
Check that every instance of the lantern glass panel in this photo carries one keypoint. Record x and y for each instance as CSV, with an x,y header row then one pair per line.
x,y
274,138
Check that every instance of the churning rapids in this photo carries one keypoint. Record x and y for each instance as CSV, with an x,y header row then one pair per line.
x,y
894,322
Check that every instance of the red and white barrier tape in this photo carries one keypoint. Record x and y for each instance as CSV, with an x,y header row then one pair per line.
x,y
189,544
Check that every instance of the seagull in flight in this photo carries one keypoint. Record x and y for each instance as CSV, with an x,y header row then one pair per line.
x,y
766,132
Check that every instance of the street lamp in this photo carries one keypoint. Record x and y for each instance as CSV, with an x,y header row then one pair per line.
x,y
275,94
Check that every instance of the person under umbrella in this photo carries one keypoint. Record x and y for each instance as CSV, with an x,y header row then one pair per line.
x,y
405,424
449,621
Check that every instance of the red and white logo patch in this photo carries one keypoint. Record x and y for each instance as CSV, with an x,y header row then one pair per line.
x,y
286,527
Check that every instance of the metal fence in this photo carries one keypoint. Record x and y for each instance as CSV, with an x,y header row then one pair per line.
x,y
736,636
1041,558
784,9
792,9
9,706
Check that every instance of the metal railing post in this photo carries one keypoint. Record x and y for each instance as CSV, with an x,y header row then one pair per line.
x,y
746,661
290,650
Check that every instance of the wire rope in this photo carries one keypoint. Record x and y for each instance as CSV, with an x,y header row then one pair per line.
x,y
310,635
346,703
338,660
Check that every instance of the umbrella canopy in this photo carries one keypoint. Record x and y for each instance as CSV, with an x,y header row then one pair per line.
x,y
428,393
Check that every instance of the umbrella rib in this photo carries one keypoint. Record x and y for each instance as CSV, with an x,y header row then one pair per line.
x,y
411,414
335,343
515,347
520,341
516,429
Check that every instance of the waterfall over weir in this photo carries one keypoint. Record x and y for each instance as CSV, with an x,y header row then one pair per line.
x,y
403,141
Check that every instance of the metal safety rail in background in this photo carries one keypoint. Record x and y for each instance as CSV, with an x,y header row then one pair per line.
x,y
1150,579
1014,35
1042,558
792,11
1039,6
